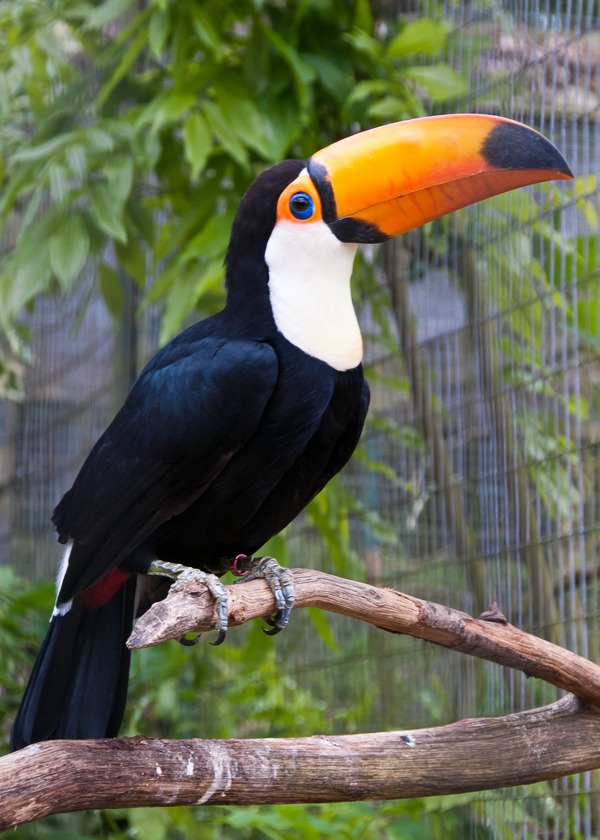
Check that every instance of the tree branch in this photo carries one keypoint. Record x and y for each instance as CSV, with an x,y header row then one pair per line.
x,y
191,608
477,754
480,754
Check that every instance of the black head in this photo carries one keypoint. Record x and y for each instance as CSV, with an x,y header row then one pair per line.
x,y
253,225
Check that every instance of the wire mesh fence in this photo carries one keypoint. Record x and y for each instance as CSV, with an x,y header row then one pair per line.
x,y
478,478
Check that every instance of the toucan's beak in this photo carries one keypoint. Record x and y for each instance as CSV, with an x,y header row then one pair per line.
x,y
388,180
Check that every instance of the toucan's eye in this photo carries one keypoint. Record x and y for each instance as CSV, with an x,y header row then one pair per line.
x,y
301,205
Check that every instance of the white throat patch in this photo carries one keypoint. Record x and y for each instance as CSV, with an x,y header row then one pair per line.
x,y
309,288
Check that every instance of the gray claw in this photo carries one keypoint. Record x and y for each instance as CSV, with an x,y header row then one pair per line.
x,y
190,642
184,574
220,638
280,582
275,625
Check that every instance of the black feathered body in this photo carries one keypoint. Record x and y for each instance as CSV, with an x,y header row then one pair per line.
x,y
226,435
198,476
309,428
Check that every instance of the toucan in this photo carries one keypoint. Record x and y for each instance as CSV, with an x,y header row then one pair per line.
x,y
238,422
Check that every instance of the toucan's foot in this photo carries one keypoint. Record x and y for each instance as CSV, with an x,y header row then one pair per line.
x,y
181,575
280,583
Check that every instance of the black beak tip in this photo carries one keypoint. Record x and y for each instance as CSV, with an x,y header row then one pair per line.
x,y
514,146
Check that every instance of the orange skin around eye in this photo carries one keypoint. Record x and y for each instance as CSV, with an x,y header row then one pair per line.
x,y
302,184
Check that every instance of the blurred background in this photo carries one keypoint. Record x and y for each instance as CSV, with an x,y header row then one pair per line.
x,y
128,132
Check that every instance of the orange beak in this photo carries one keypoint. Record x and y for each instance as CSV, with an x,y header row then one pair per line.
x,y
386,181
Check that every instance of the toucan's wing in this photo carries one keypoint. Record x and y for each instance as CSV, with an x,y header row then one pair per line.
x,y
349,439
346,443
189,412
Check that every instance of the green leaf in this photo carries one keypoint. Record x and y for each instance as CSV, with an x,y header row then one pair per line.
x,y
128,58
172,108
439,80
158,31
197,142
26,275
323,628
282,127
76,160
69,249
390,109
243,117
363,16
107,216
205,29
132,258
184,295
111,288
119,176
302,73
225,134
100,15
365,44
336,81
178,306
59,183
99,140
42,150
370,87
143,220
423,36
211,242
210,279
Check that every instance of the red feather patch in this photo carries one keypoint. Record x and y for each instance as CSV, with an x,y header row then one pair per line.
x,y
104,589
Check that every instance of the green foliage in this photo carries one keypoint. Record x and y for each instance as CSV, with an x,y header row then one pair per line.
x,y
22,619
128,134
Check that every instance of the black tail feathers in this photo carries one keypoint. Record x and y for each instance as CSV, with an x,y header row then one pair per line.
x,y
78,685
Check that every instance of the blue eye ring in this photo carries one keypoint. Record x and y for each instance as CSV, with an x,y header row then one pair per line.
x,y
302,206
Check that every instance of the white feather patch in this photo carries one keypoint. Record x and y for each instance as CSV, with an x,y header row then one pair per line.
x,y
309,288
62,609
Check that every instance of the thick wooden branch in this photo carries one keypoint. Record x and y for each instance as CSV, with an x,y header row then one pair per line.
x,y
480,754
489,637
